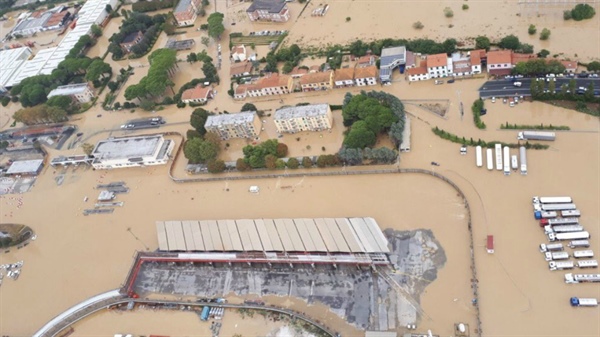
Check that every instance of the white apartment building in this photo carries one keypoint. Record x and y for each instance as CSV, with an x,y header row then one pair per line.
x,y
316,117
439,65
137,151
235,125
80,92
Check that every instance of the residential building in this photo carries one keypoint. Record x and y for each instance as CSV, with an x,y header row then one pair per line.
x,y
461,64
419,73
316,117
268,10
272,84
411,60
365,76
80,92
131,40
390,59
11,61
365,61
238,53
343,78
475,58
499,62
197,94
185,12
317,81
570,66
240,69
137,151
241,91
298,72
235,125
439,65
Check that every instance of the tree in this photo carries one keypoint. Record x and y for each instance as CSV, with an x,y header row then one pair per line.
x,y
5,100
96,30
98,69
215,166
532,30
270,162
582,12
418,25
360,136
192,57
197,150
40,114
87,148
108,8
589,93
113,86
543,53
307,162
281,150
249,107
210,72
482,42
205,40
510,42
351,156
241,165
293,163
567,15
525,48
62,102
198,119
545,34
215,25
358,48
593,66
448,12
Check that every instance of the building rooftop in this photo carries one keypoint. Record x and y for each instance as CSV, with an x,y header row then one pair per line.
x,y
127,147
238,50
32,22
475,58
131,37
416,71
344,74
499,57
569,64
410,59
273,80
66,90
240,68
320,77
437,60
365,72
182,6
230,119
272,6
312,110
56,18
297,71
11,61
391,55
196,93
25,166
366,60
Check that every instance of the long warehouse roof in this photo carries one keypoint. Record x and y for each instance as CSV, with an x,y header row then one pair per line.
x,y
322,235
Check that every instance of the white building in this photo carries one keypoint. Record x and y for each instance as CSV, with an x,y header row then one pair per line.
x,y
316,117
236,125
439,65
11,61
238,53
80,92
365,76
391,58
132,152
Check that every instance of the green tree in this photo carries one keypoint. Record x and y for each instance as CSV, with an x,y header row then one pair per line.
x,y
205,40
197,150
543,53
98,69
63,102
210,72
241,165
582,12
281,150
270,162
567,15
593,66
112,86
108,8
510,42
307,162
482,42
249,107
293,163
96,30
198,119
87,148
215,25
525,48
215,166
545,34
532,30
5,100
589,93
360,136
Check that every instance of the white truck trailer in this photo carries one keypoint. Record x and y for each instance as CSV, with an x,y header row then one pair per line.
x,y
498,148
579,244
536,135
562,221
553,200
551,247
587,264
490,159
560,265
571,213
581,278
568,236
554,256
563,229
583,302
583,254
523,160
514,162
558,207
479,156
506,160
405,145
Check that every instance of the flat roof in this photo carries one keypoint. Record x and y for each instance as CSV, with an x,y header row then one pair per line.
x,y
321,235
25,166
127,147
66,90
391,55
11,61
230,119
313,110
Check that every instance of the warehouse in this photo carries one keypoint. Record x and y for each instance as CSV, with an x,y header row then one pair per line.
x,y
132,152
26,167
323,240
10,61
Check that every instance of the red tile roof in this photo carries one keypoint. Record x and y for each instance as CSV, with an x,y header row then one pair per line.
x,y
319,77
499,57
416,71
572,65
299,71
196,93
240,68
516,58
343,74
437,60
475,58
273,80
365,72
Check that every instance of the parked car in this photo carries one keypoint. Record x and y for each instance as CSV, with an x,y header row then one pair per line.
x,y
493,99
451,80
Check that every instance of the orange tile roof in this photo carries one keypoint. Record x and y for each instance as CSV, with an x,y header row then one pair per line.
x,y
315,68
499,57
416,71
480,52
343,74
273,80
365,72
196,93
319,77
475,58
367,59
569,64
240,68
437,60
55,19
516,58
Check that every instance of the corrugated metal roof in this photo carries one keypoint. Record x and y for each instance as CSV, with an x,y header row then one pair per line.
x,y
273,235
188,235
163,243
264,235
225,235
326,236
315,235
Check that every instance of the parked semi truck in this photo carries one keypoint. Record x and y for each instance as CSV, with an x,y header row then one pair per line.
x,y
568,236
544,216
498,149
579,244
536,135
559,221
506,160
571,213
558,207
561,265
554,256
587,264
523,160
553,200
514,162
583,302
479,156
581,278
583,254
490,159
551,247
563,229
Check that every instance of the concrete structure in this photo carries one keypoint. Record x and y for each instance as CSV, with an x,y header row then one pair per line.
x,y
439,65
238,53
26,167
334,236
11,61
268,10
316,117
240,69
236,125
132,152
317,81
185,12
365,76
31,25
390,59
343,78
499,62
197,94
131,40
81,92
381,334
186,44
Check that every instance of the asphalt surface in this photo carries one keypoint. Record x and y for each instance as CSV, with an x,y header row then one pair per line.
x,y
505,87
144,123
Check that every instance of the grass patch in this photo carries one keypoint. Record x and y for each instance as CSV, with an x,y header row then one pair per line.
x,y
257,40
508,126
476,109
485,144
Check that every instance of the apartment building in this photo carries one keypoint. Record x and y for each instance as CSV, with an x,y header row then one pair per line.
x,y
317,81
365,76
315,117
235,125
185,12
439,65
81,92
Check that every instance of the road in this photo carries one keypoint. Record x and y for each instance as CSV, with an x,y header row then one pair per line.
x,y
504,87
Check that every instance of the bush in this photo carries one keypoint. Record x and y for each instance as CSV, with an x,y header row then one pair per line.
x,y
448,12
532,30
545,34
465,7
307,162
348,19
215,166
567,15
5,100
241,165
582,12
476,109
293,163
418,25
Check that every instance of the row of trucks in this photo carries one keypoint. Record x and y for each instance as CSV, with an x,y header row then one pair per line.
x,y
581,278
501,159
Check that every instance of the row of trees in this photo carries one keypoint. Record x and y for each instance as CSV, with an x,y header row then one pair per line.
x,y
382,155
149,6
425,46
163,63
40,114
537,67
544,91
580,12
266,152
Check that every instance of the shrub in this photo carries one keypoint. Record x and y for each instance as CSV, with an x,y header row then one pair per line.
x,y
5,100
567,15
241,165
532,30
476,109
448,12
307,162
545,34
215,166
582,12
348,19
465,7
418,25
293,163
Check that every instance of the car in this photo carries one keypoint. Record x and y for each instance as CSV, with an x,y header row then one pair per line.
x,y
517,84
594,75
512,104
583,75
483,112
463,150
451,81
493,99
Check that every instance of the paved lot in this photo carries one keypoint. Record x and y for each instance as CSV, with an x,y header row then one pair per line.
x,y
504,87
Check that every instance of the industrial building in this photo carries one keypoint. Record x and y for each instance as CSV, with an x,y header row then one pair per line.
x,y
11,61
26,167
316,117
236,125
390,59
321,240
132,152
80,92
